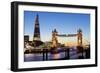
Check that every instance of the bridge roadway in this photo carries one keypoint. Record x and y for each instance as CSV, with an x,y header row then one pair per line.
x,y
69,35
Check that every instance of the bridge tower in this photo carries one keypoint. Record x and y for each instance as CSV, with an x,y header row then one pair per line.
x,y
79,37
54,38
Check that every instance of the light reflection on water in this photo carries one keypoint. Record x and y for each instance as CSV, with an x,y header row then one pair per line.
x,y
39,57
56,56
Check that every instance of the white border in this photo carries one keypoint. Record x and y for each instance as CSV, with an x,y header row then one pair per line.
x,y
22,64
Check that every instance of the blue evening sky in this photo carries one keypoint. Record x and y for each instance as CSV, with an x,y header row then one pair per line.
x,y
65,23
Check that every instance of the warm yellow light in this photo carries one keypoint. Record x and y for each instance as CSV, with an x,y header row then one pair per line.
x,y
70,44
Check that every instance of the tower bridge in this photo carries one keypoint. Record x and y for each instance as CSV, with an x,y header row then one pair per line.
x,y
55,36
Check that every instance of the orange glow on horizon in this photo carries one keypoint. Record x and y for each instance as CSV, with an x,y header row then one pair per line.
x,y
72,41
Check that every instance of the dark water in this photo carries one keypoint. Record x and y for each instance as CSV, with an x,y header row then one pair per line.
x,y
39,57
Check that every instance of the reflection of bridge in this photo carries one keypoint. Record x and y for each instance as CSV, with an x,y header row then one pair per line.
x,y
68,53
55,35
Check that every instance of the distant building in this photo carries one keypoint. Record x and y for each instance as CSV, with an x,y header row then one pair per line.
x,y
36,37
26,38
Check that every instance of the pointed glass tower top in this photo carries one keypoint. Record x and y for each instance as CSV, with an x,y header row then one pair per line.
x,y
36,36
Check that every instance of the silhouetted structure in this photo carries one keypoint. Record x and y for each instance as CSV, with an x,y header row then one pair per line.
x,y
36,38
36,30
26,38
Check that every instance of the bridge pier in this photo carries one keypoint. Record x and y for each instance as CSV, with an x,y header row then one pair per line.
x,y
80,51
46,54
43,54
87,53
67,56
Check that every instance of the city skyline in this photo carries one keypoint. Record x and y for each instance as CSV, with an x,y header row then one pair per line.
x,y
64,23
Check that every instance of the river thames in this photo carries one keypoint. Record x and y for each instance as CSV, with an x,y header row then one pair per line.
x,y
57,56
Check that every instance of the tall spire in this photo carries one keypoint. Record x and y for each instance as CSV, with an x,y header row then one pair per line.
x,y
37,19
36,36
